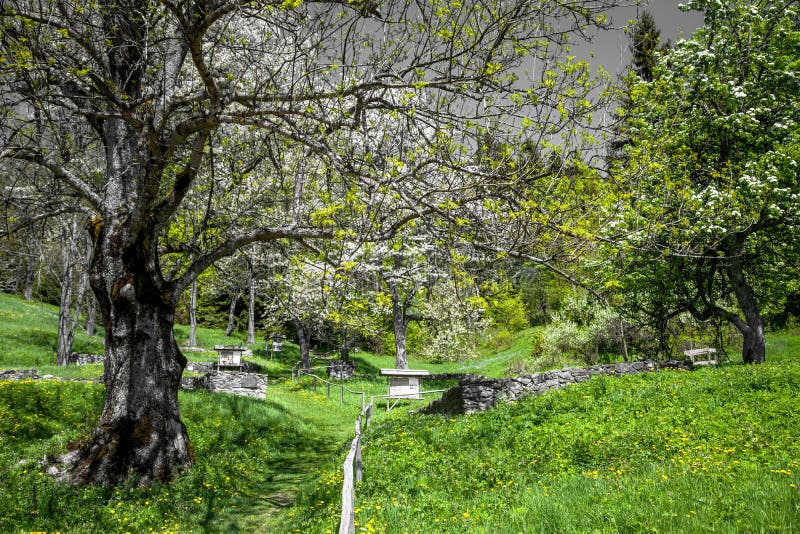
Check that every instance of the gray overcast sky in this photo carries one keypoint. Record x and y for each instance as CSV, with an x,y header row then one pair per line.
x,y
611,48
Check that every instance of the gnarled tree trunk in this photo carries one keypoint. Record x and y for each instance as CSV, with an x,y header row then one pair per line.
x,y
140,436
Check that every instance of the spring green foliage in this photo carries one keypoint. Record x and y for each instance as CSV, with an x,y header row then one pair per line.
x,y
582,329
711,450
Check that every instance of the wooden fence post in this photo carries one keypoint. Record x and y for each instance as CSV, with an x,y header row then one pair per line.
x,y
341,394
347,525
358,461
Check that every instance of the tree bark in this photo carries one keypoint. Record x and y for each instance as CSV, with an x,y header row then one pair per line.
x,y
344,349
91,315
754,345
251,312
30,265
400,328
66,333
71,303
304,341
140,437
232,314
192,341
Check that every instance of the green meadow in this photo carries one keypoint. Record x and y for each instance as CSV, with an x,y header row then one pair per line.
x,y
713,450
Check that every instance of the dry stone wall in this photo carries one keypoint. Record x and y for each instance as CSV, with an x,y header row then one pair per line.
x,y
244,384
478,393
79,358
341,370
33,374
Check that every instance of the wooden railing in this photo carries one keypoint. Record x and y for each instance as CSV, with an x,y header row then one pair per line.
x,y
352,468
319,380
353,473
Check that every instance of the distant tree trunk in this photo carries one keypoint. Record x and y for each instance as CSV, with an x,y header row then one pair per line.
x,y
65,333
232,314
30,265
754,345
91,315
192,342
70,305
251,311
624,340
304,341
344,350
400,322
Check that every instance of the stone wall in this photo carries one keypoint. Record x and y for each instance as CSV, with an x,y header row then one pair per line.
x,y
200,367
478,394
33,374
79,358
341,370
19,374
245,384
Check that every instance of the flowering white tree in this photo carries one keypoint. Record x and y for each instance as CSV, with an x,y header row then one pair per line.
x,y
708,221
157,88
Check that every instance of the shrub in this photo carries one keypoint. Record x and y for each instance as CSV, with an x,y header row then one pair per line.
x,y
456,343
506,310
580,329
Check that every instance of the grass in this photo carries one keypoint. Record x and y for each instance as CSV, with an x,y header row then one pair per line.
x,y
714,450
710,451
29,335
251,457
783,346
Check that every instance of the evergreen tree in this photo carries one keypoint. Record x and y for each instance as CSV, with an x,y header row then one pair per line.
x,y
644,45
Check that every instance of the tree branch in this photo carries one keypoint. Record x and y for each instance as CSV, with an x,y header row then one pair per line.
x,y
235,243
81,187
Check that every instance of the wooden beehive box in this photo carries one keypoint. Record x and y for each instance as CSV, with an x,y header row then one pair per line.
x,y
230,356
405,383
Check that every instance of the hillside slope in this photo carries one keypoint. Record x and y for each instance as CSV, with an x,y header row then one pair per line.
x,y
714,450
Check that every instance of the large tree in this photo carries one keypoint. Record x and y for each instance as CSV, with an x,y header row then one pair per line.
x,y
151,90
709,209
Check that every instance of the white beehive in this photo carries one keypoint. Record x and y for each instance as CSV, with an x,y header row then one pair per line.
x,y
405,383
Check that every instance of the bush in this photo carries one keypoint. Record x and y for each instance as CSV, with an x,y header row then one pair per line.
x,y
457,343
582,330
506,310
